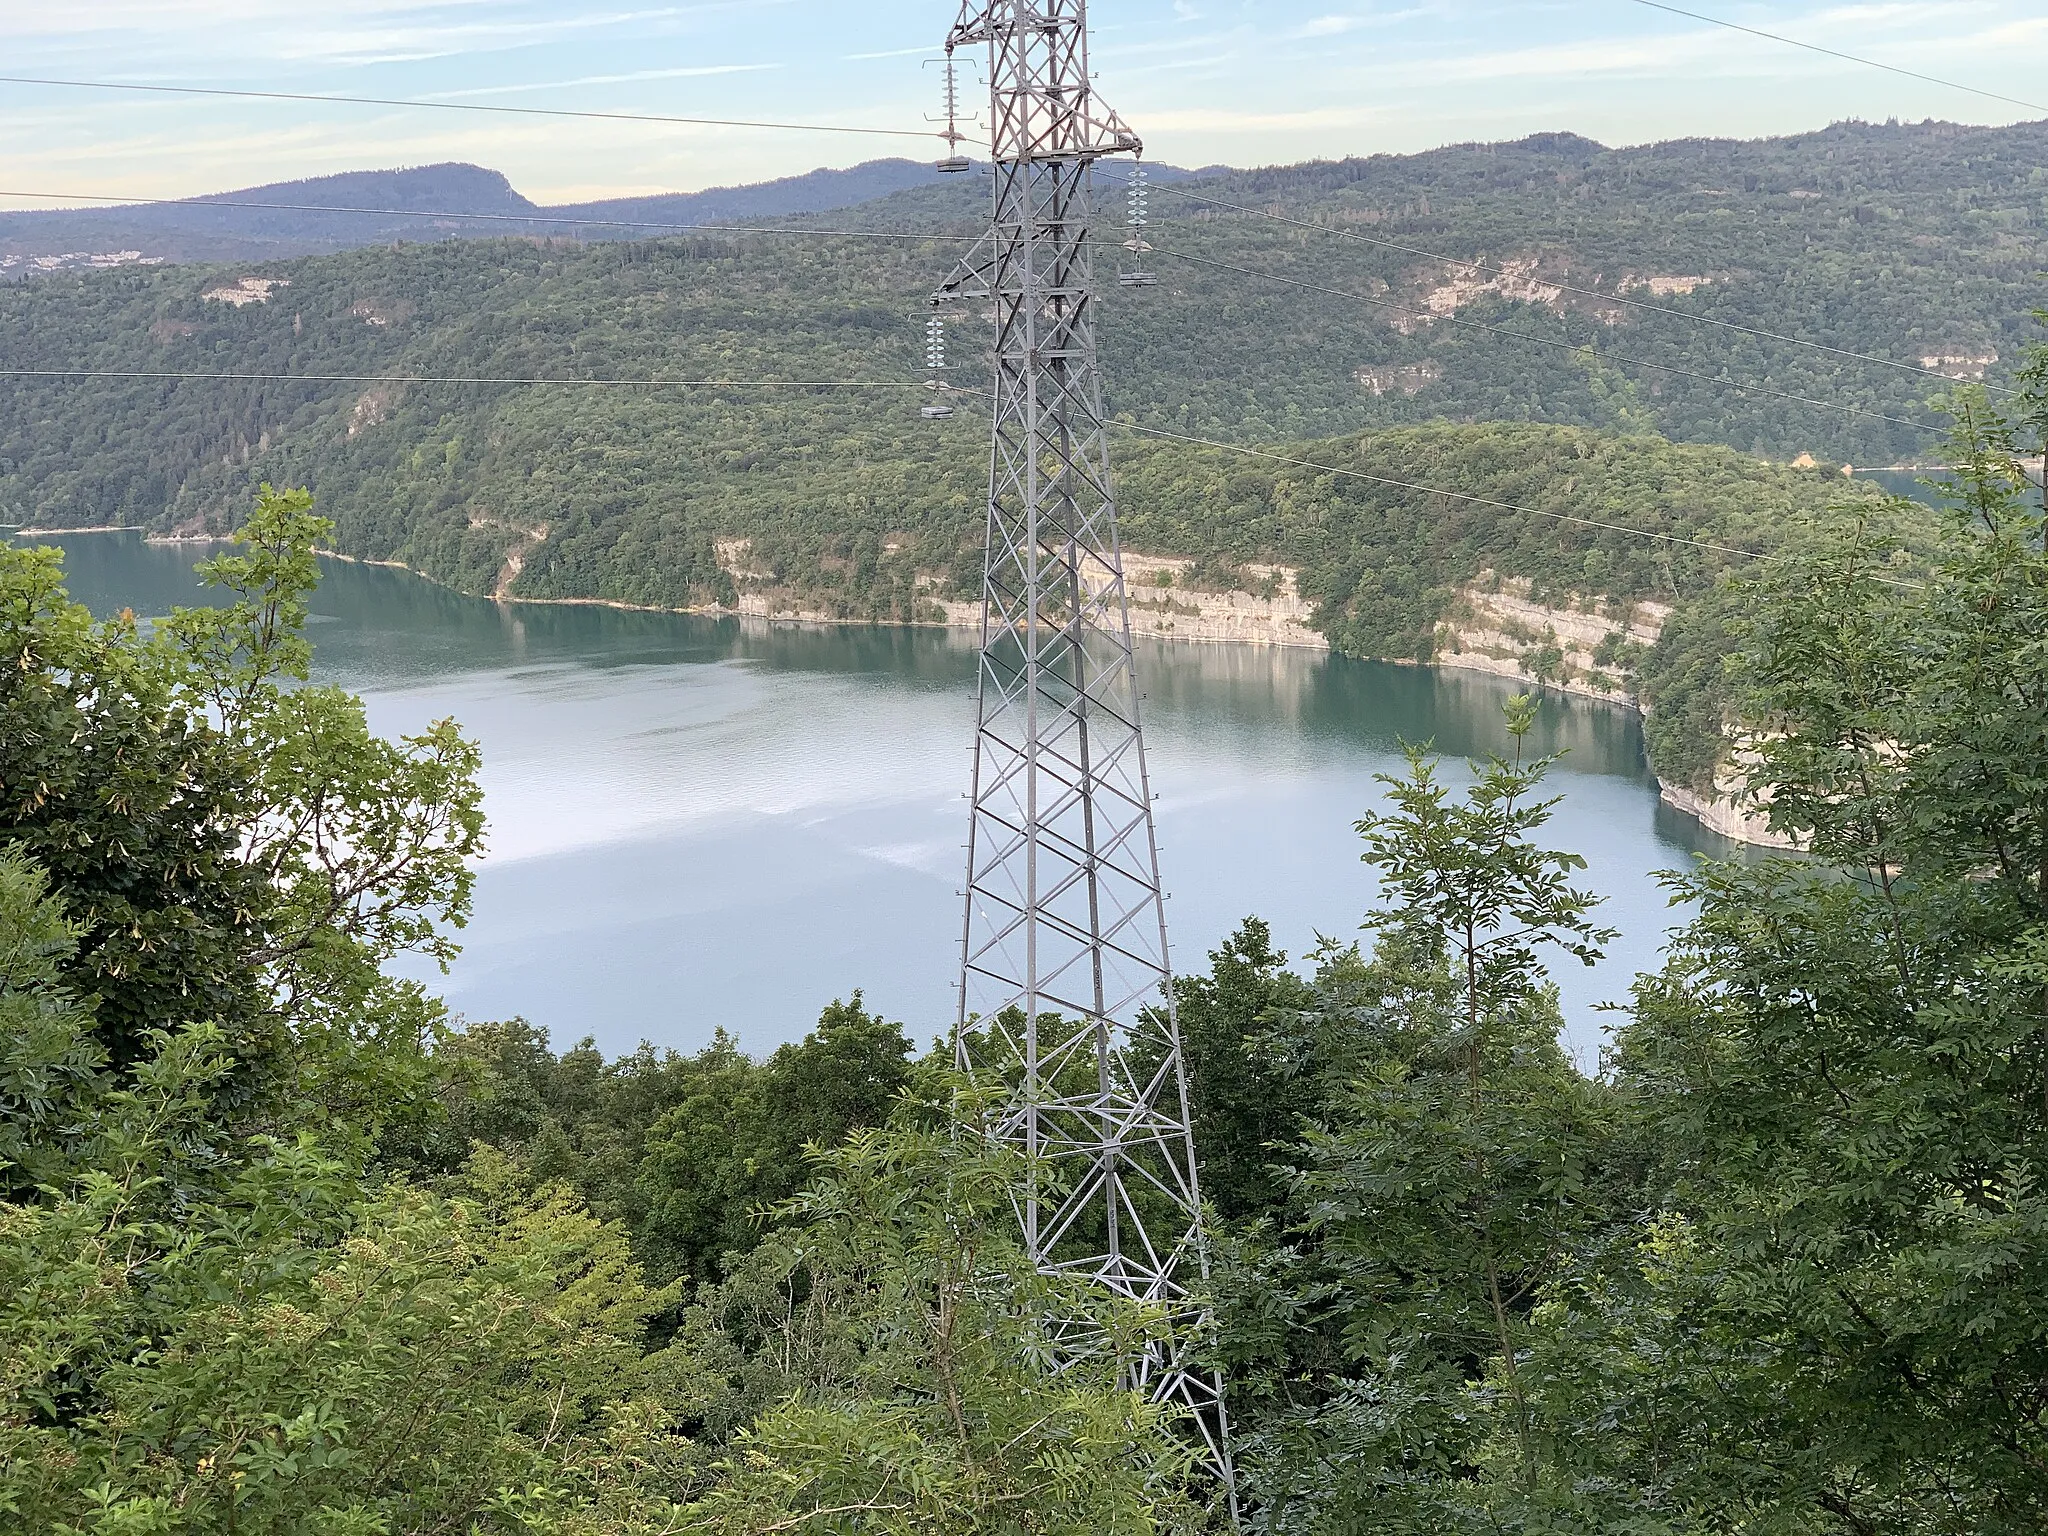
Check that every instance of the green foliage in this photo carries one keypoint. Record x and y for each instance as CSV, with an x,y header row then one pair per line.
x,y
1382,1319
1246,1096
124,796
1470,878
1776,1275
933,1409
735,1145
1684,689
1919,771
1382,563
212,1319
200,1334
688,1152
237,846
50,1065
1827,1322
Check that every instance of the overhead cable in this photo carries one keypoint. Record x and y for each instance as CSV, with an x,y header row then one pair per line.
x,y
1431,490
416,378
1836,53
471,106
1590,293
872,234
1548,341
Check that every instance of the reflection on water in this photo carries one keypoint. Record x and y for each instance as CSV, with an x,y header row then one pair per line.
x,y
1929,487
703,821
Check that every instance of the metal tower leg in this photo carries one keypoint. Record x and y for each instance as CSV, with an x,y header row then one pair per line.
x,y
1064,972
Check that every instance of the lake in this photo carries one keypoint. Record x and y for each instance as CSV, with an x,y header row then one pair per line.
x,y
700,822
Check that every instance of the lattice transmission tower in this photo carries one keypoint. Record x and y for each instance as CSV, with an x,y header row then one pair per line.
x,y
1064,971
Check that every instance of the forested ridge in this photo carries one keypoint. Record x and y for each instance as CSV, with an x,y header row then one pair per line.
x,y
1905,242
286,1248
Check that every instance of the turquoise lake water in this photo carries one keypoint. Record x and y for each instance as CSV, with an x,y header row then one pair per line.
x,y
702,822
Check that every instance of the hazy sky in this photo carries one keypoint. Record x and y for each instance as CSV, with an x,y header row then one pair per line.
x,y
1239,81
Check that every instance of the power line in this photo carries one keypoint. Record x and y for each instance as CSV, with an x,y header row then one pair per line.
x,y
414,378
893,235
1143,431
1429,490
506,218
470,106
1836,53
1433,490
1591,293
1548,341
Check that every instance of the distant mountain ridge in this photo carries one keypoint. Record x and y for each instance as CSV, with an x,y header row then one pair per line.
x,y
484,201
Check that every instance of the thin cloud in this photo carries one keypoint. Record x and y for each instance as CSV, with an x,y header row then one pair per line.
x,y
1338,25
1593,56
1686,53
185,16
896,53
690,73
1230,38
1218,120
1943,12
332,43
2006,36
1165,66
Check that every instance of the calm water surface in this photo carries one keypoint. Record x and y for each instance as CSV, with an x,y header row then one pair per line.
x,y
699,822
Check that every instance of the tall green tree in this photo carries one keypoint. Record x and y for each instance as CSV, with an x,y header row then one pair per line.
x,y
127,798
363,846
1453,1177
1834,1321
237,843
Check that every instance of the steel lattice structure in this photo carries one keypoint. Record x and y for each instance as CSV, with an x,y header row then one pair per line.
x,y
1065,975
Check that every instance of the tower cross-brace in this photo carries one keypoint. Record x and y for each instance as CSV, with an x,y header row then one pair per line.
x,y
1064,967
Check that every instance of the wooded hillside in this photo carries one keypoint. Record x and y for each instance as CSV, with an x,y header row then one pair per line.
x,y
1918,245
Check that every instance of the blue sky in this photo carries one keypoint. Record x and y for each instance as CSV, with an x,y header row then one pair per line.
x,y
1239,81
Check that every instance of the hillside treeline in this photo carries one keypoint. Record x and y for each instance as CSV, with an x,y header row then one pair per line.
x,y
1908,244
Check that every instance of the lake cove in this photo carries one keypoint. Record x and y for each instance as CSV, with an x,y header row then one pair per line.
x,y
711,822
